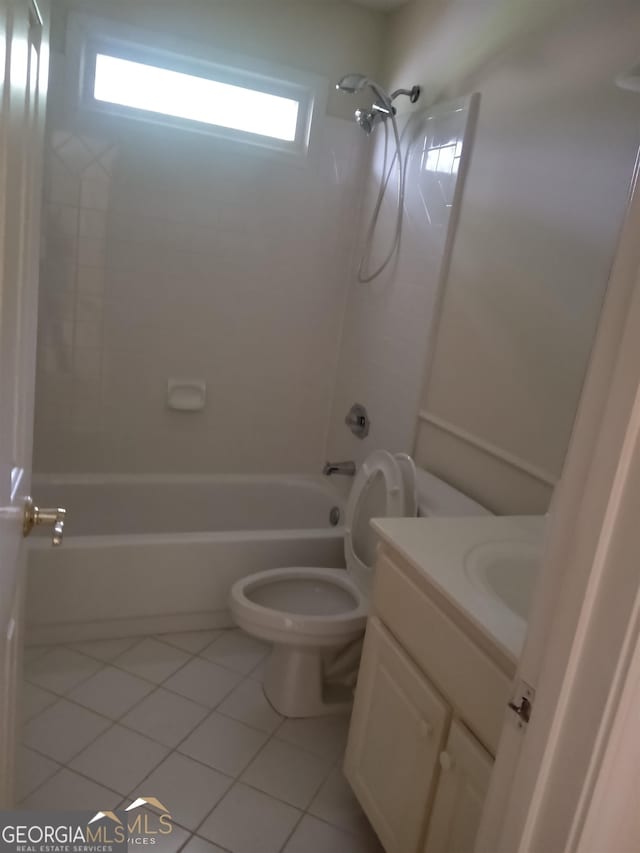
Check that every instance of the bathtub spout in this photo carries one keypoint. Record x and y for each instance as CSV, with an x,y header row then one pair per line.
x,y
346,468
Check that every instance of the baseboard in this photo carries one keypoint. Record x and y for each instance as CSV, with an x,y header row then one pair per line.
x,y
111,629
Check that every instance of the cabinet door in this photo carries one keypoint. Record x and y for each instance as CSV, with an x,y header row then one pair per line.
x,y
464,780
397,731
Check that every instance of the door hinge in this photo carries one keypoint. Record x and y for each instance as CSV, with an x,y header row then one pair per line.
x,y
522,703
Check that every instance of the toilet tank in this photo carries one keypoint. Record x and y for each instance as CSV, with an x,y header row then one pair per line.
x,y
435,497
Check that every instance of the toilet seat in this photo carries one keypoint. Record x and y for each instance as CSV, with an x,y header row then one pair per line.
x,y
382,463
337,615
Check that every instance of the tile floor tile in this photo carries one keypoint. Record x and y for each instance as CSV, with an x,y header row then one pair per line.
x,y
199,845
152,660
336,803
236,650
248,704
63,730
165,717
257,674
105,650
61,669
34,700
110,692
287,772
325,736
316,836
203,682
31,653
247,821
201,671
68,791
223,744
119,759
33,770
169,843
187,788
190,641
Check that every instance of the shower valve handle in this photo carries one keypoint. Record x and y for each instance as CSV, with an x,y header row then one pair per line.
x,y
34,516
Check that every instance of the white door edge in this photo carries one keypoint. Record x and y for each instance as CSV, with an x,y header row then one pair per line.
x,y
536,800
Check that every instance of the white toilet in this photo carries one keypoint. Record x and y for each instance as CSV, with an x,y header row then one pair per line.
x,y
315,617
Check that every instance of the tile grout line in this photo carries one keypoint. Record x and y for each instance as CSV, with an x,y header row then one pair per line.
x,y
232,779
117,721
293,831
237,779
113,664
113,722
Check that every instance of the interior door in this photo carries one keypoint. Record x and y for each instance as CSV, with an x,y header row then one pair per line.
x,y
24,55
540,769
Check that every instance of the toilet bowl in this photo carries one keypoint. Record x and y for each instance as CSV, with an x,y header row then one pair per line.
x,y
315,617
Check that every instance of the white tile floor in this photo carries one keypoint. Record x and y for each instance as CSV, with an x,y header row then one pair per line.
x,y
182,717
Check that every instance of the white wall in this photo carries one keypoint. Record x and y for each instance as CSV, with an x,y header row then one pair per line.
x,y
206,262
326,38
175,255
543,203
387,322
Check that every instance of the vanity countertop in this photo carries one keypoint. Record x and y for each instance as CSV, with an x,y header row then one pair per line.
x,y
439,550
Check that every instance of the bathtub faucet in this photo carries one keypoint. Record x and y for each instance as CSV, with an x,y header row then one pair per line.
x,y
347,468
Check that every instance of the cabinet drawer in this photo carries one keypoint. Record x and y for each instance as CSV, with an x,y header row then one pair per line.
x,y
470,680
397,731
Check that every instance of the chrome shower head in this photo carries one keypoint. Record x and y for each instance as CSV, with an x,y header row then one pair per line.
x,y
382,107
352,83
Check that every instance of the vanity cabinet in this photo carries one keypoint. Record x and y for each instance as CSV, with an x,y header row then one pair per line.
x,y
465,770
397,732
427,700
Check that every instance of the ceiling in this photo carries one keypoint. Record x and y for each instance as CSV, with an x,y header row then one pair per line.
x,y
382,5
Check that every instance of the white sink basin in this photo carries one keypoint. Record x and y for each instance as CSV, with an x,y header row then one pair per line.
x,y
507,570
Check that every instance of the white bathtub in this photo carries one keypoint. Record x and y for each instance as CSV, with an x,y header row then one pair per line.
x,y
148,554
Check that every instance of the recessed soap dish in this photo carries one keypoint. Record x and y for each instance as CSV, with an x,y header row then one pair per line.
x,y
186,395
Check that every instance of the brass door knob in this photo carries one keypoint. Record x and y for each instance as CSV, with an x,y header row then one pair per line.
x,y
34,516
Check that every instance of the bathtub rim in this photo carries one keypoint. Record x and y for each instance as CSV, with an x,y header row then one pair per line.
x,y
318,481
113,540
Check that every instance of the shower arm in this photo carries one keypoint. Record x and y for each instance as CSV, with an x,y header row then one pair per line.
x,y
386,108
413,93
386,105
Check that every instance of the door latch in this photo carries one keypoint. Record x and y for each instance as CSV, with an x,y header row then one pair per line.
x,y
522,703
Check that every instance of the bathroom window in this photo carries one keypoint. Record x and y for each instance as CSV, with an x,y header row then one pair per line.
x,y
123,72
153,89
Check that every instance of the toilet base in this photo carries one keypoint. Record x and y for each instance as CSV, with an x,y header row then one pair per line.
x,y
294,684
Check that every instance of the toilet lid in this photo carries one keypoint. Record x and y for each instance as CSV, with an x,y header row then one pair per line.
x,y
378,491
